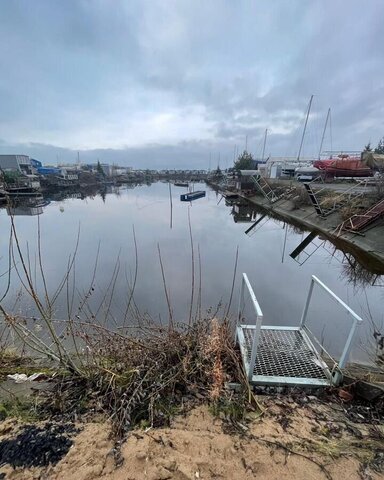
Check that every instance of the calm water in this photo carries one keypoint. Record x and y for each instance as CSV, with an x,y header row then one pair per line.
x,y
106,223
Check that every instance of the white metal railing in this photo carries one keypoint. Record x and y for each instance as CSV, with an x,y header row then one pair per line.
x,y
357,320
259,320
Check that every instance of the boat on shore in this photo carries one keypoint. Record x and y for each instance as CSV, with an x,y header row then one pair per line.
x,y
343,167
189,197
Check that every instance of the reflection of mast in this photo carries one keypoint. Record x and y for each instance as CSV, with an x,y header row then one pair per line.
x,y
265,141
305,127
325,128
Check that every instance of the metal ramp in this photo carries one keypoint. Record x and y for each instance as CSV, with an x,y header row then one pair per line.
x,y
266,190
358,222
287,356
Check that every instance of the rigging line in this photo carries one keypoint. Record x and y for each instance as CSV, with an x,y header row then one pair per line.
x,y
325,128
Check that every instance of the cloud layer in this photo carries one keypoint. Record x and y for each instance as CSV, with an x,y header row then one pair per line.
x,y
154,83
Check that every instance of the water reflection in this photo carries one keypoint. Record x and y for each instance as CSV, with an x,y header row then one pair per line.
x,y
24,210
106,217
359,268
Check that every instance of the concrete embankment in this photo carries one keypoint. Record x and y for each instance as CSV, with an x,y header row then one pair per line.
x,y
368,247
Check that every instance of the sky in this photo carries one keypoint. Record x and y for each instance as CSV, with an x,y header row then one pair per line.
x,y
188,83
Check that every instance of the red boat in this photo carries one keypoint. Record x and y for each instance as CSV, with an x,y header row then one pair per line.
x,y
343,167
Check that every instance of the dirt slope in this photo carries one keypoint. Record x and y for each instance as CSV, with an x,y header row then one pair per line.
x,y
196,447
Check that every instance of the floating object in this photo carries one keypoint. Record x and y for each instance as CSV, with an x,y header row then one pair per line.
x,y
188,197
181,184
61,209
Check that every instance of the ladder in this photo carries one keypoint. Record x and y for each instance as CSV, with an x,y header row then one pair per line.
x,y
266,190
323,212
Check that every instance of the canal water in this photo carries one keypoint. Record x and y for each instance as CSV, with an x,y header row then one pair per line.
x,y
108,225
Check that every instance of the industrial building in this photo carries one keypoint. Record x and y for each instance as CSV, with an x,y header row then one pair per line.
x,y
16,163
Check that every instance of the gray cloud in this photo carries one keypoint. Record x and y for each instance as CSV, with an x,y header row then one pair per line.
x,y
158,83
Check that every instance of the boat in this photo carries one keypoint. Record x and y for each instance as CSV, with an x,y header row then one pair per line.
x,y
343,166
181,184
188,197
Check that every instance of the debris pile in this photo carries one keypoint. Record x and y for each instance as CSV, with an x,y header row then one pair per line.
x,y
37,446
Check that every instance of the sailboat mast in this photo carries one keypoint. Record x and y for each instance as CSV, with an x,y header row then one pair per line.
x,y
265,141
305,128
325,128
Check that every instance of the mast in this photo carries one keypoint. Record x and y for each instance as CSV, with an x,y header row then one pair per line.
x,y
325,128
265,141
305,127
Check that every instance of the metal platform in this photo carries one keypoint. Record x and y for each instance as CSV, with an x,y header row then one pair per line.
x,y
280,355
285,356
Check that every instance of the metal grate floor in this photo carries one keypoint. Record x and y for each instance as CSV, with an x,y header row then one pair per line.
x,y
283,353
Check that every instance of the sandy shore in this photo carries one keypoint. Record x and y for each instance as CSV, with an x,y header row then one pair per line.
x,y
291,440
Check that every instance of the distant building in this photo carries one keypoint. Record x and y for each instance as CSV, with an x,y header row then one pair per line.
x,y
16,163
68,174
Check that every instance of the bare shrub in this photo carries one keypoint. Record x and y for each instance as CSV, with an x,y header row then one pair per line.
x,y
138,372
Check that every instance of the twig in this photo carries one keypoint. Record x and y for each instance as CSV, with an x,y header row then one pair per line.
x,y
289,450
165,289
193,267
233,283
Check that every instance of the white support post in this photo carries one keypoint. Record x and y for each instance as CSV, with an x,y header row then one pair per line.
x,y
255,344
356,321
241,306
348,345
259,320
308,301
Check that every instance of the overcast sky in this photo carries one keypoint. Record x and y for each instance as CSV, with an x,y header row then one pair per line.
x,y
163,83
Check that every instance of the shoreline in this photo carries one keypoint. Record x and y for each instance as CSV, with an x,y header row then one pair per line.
x,y
367,248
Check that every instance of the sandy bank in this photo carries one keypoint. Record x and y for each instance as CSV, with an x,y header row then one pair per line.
x,y
293,439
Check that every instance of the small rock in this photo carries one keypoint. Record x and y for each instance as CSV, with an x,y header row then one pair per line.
x,y
141,455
